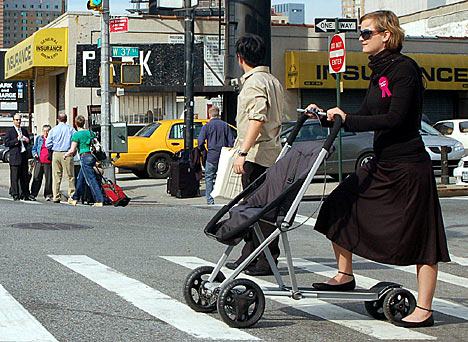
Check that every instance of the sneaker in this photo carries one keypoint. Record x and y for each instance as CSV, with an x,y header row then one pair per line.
x,y
98,204
72,201
48,198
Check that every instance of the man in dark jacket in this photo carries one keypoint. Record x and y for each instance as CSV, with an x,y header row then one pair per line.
x,y
217,134
17,140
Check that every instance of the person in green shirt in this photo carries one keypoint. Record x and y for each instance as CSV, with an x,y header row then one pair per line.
x,y
81,142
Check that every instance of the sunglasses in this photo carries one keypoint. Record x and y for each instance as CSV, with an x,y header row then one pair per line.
x,y
17,119
367,34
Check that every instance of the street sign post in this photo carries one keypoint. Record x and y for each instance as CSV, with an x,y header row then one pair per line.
x,y
125,51
337,54
330,25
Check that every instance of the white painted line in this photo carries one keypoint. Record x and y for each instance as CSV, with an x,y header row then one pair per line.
x,y
155,303
17,324
465,198
330,312
441,305
301,219
459,260
21,201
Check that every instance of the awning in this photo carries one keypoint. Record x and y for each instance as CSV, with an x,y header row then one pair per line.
x,y
45,50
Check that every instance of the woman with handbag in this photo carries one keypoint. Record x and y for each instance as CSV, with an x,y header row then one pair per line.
x,y
81,142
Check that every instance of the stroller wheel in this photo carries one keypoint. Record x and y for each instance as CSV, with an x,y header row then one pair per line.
x,y
375,308
241,303
398,303
196,295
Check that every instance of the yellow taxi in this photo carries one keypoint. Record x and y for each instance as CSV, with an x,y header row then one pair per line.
x,y
150,150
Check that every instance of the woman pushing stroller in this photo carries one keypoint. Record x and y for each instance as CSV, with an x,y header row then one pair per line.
x,y
388,211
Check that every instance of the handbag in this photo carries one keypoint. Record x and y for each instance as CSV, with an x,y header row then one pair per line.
x,y
228,184
96,148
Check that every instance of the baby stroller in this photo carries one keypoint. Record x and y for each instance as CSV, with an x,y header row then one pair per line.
x,y
274,198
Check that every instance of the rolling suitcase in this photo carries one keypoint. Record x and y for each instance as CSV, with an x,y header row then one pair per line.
x,y
114,193
184,178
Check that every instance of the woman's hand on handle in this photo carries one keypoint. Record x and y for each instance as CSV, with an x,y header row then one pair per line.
x,y
335,111
313,108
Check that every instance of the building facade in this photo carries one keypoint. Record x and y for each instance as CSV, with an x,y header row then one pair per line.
x,y
352,8
22,18
65,68
294,12
405,7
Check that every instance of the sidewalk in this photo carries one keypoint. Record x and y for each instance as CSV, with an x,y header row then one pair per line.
x,y
153,191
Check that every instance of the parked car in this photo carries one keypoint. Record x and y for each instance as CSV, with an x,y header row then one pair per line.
x,y
357,148
461,172
433,141
456,129
3,148
151,149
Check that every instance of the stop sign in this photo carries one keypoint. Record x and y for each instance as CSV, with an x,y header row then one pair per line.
x,y
337,54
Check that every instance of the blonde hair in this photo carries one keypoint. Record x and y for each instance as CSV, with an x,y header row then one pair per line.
x,y
387,21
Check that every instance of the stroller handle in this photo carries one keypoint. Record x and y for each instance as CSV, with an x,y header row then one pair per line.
x,y
337,122
297,127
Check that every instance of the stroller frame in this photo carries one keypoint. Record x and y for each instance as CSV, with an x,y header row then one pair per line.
x,y
383,300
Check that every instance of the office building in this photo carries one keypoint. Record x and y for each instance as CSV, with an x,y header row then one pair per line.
x,y
352,8
294,12
22,18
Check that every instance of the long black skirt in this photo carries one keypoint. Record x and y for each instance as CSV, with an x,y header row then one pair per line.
x,y
387,212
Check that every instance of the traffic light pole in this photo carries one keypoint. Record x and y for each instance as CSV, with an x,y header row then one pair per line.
x,y
109,170
189,41
338,104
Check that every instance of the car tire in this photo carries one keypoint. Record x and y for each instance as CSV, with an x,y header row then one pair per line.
x,y
6,157
140,173
158,166
363,159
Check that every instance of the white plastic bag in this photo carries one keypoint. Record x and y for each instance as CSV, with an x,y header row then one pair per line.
x,y
228,184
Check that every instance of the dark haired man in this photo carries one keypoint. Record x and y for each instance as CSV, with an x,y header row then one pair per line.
x,y
16,139
259,116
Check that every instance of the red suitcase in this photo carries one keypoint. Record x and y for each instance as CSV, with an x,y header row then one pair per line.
x,y
114,193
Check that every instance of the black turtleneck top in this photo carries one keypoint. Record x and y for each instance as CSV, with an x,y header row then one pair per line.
x,y
392,108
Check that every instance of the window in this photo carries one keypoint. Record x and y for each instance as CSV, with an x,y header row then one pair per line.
x,y
463,127
177,130
148,130
446,128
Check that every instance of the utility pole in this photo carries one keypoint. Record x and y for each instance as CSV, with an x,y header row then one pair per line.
x,y
188,108
109,170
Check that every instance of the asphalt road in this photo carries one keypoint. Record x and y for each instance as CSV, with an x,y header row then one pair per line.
x,y
118,276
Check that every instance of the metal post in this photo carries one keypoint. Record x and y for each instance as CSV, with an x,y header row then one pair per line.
x,y
109,170
338,104
188,108
444,177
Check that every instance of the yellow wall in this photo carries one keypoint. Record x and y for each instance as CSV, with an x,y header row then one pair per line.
x,y
309,70
46,48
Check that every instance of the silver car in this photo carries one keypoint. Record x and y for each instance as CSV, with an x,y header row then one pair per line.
x,y
357,148
433,140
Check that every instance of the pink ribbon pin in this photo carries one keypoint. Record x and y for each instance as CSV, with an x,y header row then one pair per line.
x,y
383,84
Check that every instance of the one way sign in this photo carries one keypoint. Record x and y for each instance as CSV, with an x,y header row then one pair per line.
x,y
328,25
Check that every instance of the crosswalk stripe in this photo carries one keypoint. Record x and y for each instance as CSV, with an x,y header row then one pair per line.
x,y
330,312
441,276
152,301
441,305
459,260
17,324
310,221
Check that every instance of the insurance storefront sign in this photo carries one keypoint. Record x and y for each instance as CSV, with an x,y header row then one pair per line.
x,y
309,70
47,48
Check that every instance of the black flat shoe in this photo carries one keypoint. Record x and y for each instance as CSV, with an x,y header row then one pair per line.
x,y
232,265
349,286
257,271
428,322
